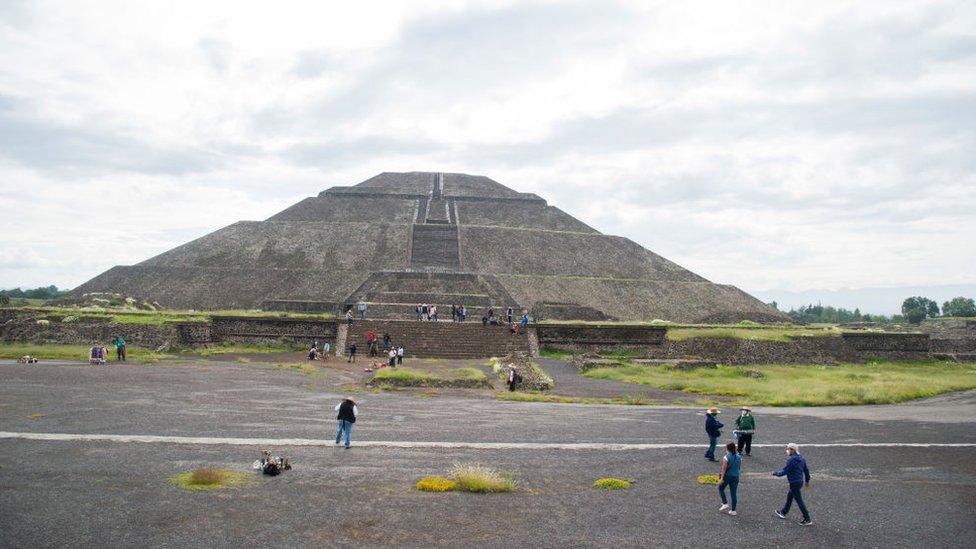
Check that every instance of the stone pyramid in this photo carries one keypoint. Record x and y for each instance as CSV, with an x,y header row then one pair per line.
x,y
400,239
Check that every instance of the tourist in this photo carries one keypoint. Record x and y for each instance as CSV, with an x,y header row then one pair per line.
x,y
484,321
513,328
745,426
362,310
797,474
463,313
386,342
392,356
419,310
713,429
352,353
425,312
119,348
349,317
93,353
729,476
454,313
433,313
326,349
313,353
103,354
400,355
510,315
371,343
525,320
514,378
347,416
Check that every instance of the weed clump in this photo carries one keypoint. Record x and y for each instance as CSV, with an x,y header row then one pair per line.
x,y
481,479
612,483
708,479
436,484
209,479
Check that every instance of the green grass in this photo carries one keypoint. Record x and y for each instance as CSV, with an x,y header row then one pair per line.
x,y
419,376
708,479
805,385
210,479
751,333
307,368
555,354
612,483
130,315
76,352
230,349
481,479
628,400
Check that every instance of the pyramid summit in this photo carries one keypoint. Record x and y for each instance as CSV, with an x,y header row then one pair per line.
x,y
399,239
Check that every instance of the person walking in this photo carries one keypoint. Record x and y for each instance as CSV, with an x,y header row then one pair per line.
x,y
347,416
119,348
513,378
729,477
713,429
352,353
419,312
798,475
510,315
525,320
362,310
400,355
391,358
745,426
349,317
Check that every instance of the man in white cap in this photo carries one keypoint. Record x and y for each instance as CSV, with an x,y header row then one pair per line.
x,y
713,429
797,474
745,426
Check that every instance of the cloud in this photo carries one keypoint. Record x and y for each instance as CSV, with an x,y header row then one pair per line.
x,y
781,145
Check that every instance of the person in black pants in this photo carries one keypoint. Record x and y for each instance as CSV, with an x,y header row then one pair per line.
x,y
798,475
352,353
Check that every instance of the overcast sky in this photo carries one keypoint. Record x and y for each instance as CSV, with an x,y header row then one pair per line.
x,y
774,146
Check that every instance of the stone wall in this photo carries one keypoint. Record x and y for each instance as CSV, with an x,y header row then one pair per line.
x,y
26,329
292,305
588,337
262,329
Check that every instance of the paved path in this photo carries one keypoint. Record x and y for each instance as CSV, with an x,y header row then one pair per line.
x,y
95,447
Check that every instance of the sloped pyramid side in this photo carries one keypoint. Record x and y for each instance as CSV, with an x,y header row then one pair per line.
x,y
325,247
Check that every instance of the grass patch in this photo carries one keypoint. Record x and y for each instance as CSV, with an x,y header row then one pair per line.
x,y
555,354
416,376
629,400
481,479
131,315
805,385
708,479
750,333
301,367
242,349
612,483
76,352
436,484
35,417
209,479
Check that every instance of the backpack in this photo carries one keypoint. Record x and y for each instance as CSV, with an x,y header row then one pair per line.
x,y
271,468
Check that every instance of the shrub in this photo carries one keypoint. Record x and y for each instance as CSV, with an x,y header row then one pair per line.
x,y
436,484
481,479
209,479
707,479
611,483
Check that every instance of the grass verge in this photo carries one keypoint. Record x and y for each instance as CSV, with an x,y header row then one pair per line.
x,y
436,484
76,352
406,376
241,350
307,368
612,483
628,400
805,385
210,479
481,479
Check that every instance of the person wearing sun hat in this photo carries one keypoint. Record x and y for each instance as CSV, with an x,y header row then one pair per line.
x,y
745,425
713,429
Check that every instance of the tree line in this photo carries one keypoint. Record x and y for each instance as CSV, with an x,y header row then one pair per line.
x,y
914,309
45,292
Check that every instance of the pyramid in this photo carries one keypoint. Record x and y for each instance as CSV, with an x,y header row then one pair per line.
x,y
400,239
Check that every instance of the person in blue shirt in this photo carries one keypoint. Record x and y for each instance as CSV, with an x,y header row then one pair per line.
x,y
797,474
729,477
713,429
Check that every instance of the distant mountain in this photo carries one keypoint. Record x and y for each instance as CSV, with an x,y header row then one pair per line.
x,y
885,301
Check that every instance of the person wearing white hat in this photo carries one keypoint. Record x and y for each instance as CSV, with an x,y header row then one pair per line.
x,y
713,429
797,474
745,426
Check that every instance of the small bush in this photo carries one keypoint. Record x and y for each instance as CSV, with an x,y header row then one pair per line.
x,y
611,483
708,479
481,479
209,479
436,484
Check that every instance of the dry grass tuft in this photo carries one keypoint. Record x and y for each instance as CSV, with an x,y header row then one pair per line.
x,y
209,479
436,484
612,483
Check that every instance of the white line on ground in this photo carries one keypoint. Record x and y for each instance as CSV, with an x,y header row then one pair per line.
x,y
579,446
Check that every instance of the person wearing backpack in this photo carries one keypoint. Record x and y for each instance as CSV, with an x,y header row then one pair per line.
x,y
729,477
347,416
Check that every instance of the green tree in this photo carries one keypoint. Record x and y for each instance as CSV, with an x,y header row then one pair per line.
x,y
917,308
959,306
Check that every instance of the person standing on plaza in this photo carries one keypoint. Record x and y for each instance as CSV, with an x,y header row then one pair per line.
x,y
729,477
745,426
119,348
713,429
798,475
347,416
400,355
391,358
352,353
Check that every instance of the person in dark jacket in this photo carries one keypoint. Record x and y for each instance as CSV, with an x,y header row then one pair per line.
x,y
347,416
713,429
797,474
352,353
745,426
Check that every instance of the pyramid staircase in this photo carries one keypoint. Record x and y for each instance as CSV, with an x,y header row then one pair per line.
x,y
458,340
